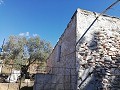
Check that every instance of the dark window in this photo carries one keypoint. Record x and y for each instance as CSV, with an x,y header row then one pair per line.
x,y
59,53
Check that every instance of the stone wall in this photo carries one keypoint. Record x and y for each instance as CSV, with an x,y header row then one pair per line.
x,y
94,64
98,53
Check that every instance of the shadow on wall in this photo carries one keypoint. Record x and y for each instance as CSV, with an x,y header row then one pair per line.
x,y
99,65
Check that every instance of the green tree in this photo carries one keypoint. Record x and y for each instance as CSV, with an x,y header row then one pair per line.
x,y
21,49
13,49
38,49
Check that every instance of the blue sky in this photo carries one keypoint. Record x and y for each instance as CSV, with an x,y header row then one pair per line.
x,y
46,18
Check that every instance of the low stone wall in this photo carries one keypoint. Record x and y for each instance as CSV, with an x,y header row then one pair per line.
x,y
65,79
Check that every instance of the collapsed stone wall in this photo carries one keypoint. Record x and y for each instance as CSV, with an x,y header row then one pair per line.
x,y
98,53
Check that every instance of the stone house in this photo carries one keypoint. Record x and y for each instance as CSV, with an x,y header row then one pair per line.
x,y
92,64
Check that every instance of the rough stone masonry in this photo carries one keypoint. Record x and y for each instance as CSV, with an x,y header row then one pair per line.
x,y
93,64
98,53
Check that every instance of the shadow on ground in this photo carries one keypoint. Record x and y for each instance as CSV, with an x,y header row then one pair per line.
x,y
26,88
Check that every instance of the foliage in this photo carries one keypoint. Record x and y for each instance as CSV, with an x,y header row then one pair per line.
x,y
22,50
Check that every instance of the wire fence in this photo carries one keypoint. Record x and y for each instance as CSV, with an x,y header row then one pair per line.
x,y
42,77
57,78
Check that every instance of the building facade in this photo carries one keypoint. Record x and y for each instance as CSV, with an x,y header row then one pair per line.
x,y
93,63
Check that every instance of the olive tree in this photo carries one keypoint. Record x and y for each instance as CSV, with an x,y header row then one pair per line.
x,y
24,51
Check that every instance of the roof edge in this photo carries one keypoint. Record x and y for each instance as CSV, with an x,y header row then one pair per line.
x,y
105,15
